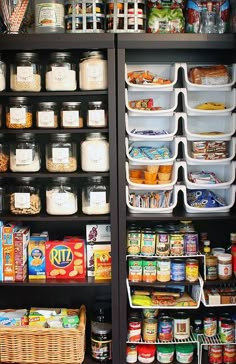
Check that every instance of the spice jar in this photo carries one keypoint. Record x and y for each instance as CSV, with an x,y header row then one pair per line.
x,y
47,115
224,266
18,113
49,16
26,73
61,197
4,155
71,116
96,196
61,154
2,75
25,154
93,71
96,117
60,73
25,197
95,153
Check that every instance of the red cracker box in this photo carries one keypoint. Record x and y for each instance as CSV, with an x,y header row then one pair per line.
x,y
21,241
65,259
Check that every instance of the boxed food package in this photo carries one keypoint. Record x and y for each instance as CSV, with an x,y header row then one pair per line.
x,y
65,259
102,263
36,259
98,233
21,241
1,253
90,256
13,317
8,231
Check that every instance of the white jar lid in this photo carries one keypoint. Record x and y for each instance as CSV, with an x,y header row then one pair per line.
x,y
224,257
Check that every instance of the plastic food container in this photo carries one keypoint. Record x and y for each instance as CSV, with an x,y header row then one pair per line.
x,y
204,87
191,99
167,124
165,353
167,101
162,72
184,353
209,127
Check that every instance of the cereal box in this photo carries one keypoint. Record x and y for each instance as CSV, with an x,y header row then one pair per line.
x,y
65,259
1,258
102,263
98,233
21,241
36,258
90,256
8,252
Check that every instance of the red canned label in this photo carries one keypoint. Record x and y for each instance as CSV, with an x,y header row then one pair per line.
x,y
215,354
229,354
134,331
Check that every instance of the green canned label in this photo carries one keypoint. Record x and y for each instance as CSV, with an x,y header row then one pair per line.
x,y
135,270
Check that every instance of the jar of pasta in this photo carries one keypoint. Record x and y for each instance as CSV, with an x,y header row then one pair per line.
x,y
25,197
25,154
71,116
26,73
47,115
60,73
61,154
19,113
4,155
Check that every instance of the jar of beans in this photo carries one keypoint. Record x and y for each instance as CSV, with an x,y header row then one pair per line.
x,y
25,197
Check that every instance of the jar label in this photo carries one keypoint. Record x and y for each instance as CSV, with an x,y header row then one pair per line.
x,y
97,199
46,118
101,350
49,15
96,117
94,72
225,269
60,155
22,200
24,156
24,74
17,115
60,199
60,74
96,153
70,118
184,357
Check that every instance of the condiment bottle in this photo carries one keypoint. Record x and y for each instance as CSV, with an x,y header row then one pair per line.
x,y
101,337
49,16
93,71
96,196
207,247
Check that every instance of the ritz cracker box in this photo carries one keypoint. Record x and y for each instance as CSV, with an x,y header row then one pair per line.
x,y
65,259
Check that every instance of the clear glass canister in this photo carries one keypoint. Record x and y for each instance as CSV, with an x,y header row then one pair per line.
x,y
26,73
19,113
97,114
25,197
61,155
25,154
61,197
49,16
2,75
95,153
96,196
4,154
71,116
93,71
47,115
61,73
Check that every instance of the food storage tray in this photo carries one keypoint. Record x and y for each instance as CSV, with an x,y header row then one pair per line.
x,y
196,87
193,98
203,127
165,71
228,194
165,186
203,300
225,172
187,148
172,145
155,123
168,101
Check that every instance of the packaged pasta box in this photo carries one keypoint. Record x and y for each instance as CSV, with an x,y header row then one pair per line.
x,y
102,263
36,256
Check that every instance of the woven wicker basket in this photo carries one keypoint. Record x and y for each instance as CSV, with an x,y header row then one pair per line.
x,y
23,345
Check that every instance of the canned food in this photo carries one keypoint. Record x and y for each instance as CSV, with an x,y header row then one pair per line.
x,y
133,240
149,270
149,331
222,317
178,270
165,328
131,353
191,270
148,242
227,331
162,244
211,268
163,270
229,354
134,329
176,244
181,326
135,269
150,313
215,354
210,325
190,243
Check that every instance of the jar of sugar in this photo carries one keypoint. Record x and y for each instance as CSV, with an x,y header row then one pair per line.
x,y
95,153
96,196
61,197
61,73
25,154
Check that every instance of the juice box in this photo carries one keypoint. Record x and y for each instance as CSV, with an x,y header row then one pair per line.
x,y
21,241
65,259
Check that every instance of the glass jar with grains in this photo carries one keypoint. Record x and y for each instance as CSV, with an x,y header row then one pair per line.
x,y
61,197
26,73
97,114
93,71
4,154
96,196
95,153
71,116
47,115
25,154
18,113
60,73
61,155
25,197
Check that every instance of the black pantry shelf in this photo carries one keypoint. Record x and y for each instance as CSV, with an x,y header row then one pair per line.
x,y
220,282
86,282
47,218
53,93
55,131
52,175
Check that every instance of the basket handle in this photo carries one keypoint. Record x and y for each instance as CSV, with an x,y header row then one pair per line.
x,y
82,316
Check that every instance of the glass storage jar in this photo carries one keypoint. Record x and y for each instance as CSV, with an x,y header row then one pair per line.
x,y
97,115
93,71
71,116
60,73
25,154
95,153
26,73
2,75
61,197
49,16
47,115
19,113
96,196
25,197
61,154
4,155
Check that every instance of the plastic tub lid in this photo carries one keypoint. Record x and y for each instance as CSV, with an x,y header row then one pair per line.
x,y
185,348
225,257
166,348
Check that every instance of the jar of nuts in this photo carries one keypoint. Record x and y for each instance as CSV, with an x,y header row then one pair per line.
x,y
25,197
19,113
4,155
25,154
61,154
47,115
61,197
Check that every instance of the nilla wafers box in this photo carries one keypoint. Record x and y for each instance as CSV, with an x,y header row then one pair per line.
x,y
65,259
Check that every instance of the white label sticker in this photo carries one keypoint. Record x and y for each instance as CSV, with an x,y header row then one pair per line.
x,y
96,153
95,72
97,199
97,117
17,115
60,199
46,118
24,156
60,74
70,118
60,155
24,74
22,200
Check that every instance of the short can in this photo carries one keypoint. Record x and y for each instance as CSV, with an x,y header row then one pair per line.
x,y
134,329
162,244
149,270
131,353
229,354
192,270
176,244
215,354
178,271
135,269
190,243
148,242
